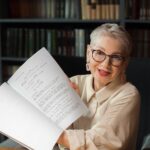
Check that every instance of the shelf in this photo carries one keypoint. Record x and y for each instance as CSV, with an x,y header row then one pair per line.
x,y
137,21
60,21
137,24
55,23
10,59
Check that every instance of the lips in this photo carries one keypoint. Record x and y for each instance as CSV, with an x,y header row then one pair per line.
x,y
103,72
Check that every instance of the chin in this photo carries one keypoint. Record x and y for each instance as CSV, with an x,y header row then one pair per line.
x,y
103,82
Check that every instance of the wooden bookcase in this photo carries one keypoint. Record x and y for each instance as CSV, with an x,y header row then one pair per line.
x,y
63,27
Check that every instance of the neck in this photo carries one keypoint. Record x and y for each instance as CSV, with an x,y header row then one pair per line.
x,y
97,86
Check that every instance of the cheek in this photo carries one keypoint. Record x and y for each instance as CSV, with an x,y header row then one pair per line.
x,y
116,72
93,65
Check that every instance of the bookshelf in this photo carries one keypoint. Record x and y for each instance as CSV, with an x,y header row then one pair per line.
x,y
63,27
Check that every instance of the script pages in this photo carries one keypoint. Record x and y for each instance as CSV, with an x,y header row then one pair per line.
x,y
37,103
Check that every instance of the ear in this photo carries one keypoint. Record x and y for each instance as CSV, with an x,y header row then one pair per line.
x,y
88,53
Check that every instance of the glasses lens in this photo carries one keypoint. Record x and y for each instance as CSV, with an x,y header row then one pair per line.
x,y
98,55
116,60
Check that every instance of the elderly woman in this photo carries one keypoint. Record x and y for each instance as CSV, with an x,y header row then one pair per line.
x,y
113,102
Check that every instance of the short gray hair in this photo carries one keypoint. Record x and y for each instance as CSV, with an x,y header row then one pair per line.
x,y
115,31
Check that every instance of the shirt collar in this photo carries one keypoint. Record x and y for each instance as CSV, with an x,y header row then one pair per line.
x,y
89,87
103,93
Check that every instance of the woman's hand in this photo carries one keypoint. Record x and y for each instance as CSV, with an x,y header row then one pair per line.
x,y
75,87
63,140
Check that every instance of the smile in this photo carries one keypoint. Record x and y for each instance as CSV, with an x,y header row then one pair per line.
x,y
103,73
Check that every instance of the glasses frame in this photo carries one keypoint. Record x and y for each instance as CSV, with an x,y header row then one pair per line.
x,y
122,58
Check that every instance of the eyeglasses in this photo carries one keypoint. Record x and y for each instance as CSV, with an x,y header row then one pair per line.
x,y
115,59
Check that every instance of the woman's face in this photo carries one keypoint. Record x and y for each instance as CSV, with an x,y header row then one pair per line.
x,y
104,72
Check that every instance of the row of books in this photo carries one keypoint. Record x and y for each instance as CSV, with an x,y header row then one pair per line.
x,y
43,8
23,42
76,9
141,42
100,9
138,9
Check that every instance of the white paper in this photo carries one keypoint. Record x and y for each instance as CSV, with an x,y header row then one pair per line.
x,y
40,88
24,123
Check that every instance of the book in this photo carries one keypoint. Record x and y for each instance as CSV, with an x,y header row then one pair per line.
x,y
93,9
37,103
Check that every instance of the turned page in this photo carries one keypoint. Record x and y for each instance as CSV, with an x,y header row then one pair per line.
x,y
43,83
23,123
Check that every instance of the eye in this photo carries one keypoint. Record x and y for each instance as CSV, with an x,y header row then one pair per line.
x,y
117,57
99,52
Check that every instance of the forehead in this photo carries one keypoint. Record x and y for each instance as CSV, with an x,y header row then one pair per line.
x,y
108,44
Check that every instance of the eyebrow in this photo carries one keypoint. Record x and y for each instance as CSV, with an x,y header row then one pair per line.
x,y
115,53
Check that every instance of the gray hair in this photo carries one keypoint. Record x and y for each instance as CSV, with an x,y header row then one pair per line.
x,y
115,31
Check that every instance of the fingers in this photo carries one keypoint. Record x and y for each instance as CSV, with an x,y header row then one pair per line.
x,y
74,86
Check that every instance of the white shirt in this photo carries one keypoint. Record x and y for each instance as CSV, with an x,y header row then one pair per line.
x,y
112,123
